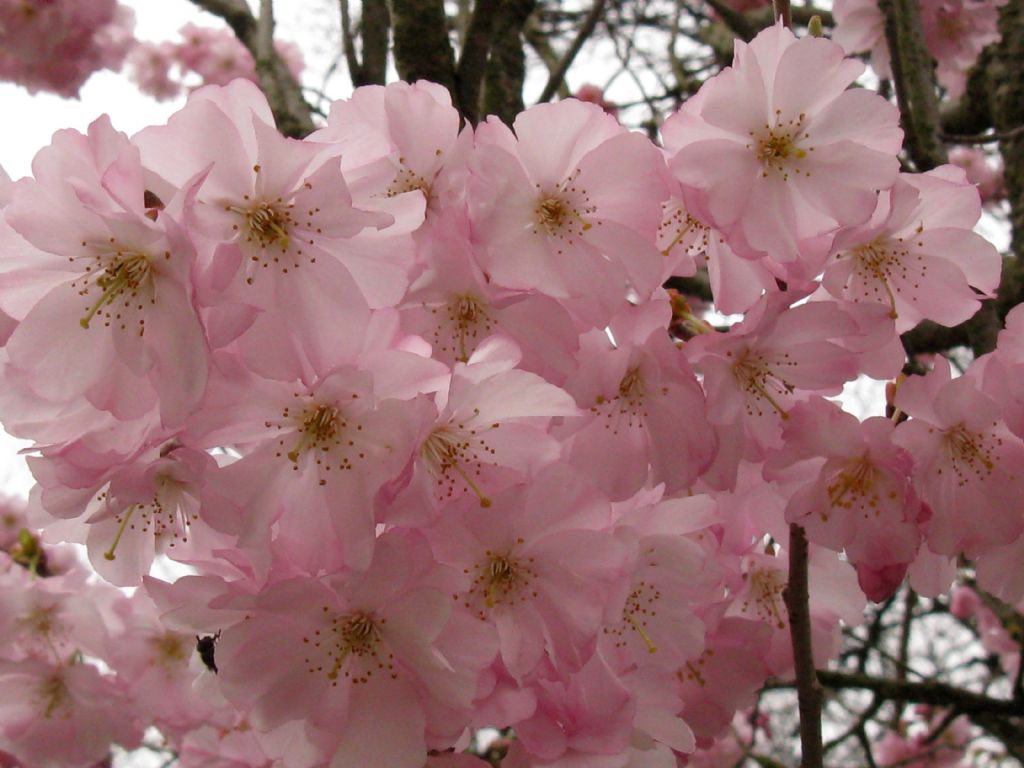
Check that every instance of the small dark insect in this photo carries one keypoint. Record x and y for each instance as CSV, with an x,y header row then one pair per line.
x,y
205,646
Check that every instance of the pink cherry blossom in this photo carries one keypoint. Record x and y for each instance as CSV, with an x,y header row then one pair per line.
x,y
99,274
965,458
919,253
568,213
57,45
768,143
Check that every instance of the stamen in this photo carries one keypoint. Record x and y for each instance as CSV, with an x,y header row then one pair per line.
x,y
109,554
124,273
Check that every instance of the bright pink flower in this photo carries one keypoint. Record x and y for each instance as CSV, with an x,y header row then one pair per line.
x,y
645,422
568,206
770,144
595,95
850,487
539,564
964,459
755,373
364,658
490,433
919,253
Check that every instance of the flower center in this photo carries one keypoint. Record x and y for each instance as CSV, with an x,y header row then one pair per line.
x,y
453,450
502,579
968,454
757,378
778,147
766,586
124,275
878,262
165,515
640,608
354,648
52,694
855,484
469,320
559,215
267,224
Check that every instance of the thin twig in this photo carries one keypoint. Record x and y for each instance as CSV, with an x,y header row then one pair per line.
x,y
348,45
983,138
586,30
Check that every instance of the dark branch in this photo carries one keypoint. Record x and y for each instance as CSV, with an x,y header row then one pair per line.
x,y
422,48
809,692
585,31
913,75
469,74
291,111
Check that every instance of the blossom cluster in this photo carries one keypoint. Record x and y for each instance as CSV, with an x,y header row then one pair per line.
x,y
955,33
403,400
56,45
213,56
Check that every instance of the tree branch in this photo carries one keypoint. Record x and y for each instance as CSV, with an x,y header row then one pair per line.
x,y
506,66
374,25
422,49
809,691
469,74
913,76
928,692
585,31
348,46
291,111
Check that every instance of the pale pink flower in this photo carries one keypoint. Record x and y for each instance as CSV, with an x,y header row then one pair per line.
x,y
964,459
539,563
773,359
982,171
919,253
62,715
454,307
58,44
726,676
100,287
363,658
583,718
315,458
149,66
850,489
688,242
645,422
770,145
273,216
491,431
568,206
859,28
955,32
